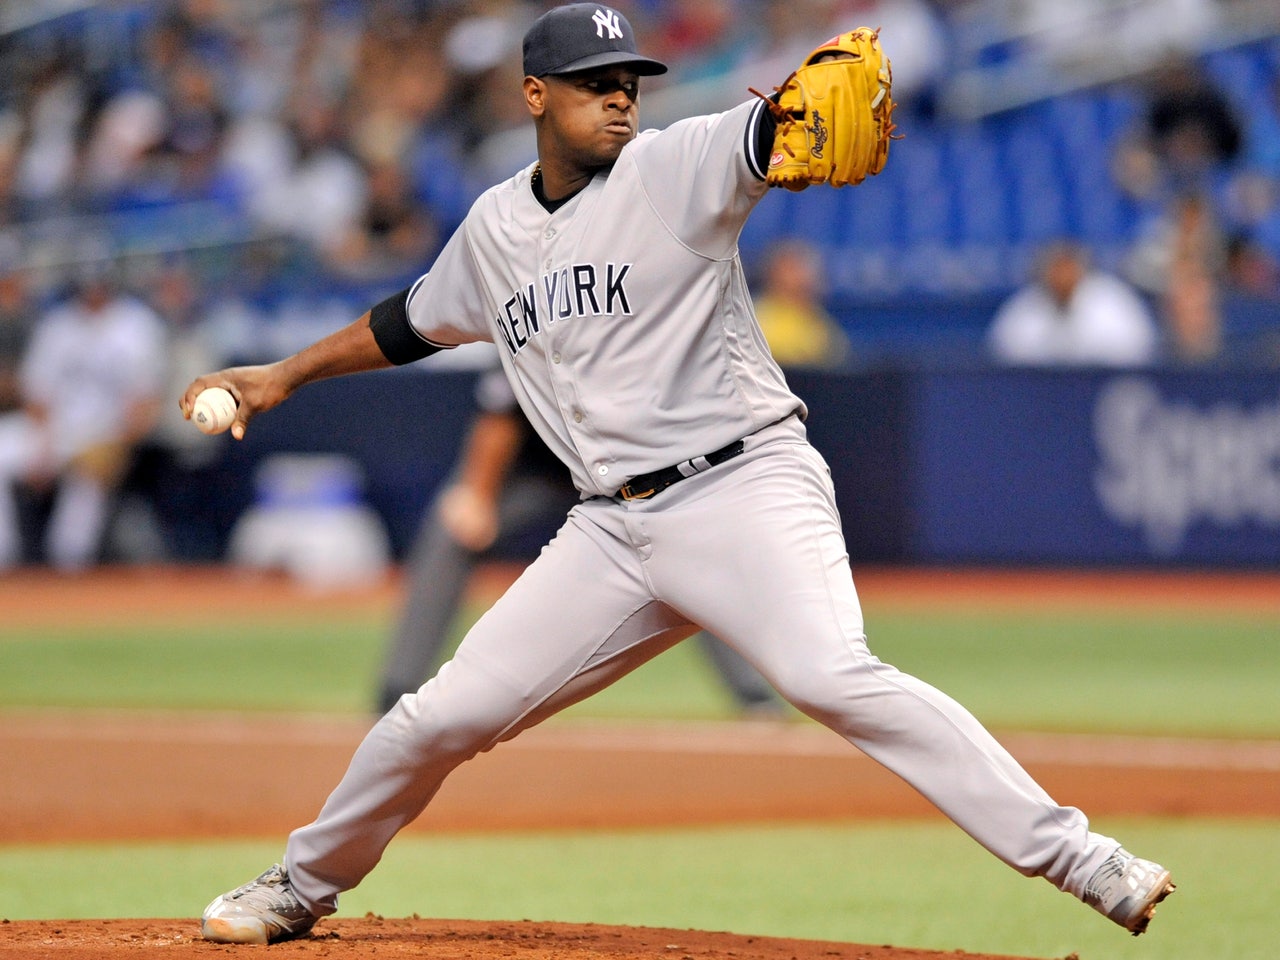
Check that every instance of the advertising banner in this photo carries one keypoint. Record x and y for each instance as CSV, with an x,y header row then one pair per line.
x,y
1091,467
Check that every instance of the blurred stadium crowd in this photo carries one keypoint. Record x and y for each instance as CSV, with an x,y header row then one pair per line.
x,y
293,155
256,172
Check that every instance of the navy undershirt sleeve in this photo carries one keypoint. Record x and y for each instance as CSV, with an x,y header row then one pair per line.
x,y
758,139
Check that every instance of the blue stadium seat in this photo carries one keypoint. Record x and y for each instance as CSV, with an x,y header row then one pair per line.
x,y
868,213
965,206
1034,178
980,211
1243,73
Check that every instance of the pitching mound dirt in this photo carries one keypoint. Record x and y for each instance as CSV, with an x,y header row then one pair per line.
x,y
377,937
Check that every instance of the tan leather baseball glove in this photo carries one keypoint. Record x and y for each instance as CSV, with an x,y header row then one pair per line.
x,y
835,114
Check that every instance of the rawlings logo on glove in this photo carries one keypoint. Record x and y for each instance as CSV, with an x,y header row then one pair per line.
x,y
835,114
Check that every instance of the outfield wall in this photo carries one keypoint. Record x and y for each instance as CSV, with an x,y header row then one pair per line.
x,y
1163,468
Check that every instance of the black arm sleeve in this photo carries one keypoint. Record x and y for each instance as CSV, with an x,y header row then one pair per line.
x,y
396,338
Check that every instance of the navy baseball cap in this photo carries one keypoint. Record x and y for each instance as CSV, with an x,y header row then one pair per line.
x,y
582,36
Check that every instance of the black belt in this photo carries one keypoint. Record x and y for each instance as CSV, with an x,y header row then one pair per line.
x,y
648,484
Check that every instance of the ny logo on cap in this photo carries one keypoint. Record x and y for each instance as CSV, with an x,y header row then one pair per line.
x,y
607,20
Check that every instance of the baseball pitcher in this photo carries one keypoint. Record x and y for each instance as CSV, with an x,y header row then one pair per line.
x,y
607,274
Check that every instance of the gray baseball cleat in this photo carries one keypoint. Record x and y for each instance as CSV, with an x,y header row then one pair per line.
x,y
1127,890
265,910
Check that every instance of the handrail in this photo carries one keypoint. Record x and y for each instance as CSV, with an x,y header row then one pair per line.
x,y
22,16
976,92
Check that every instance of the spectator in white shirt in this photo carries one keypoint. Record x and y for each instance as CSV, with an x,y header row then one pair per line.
x,y
1072,314
91,379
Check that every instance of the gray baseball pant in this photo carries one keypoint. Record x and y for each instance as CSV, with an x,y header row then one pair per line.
x,y
751,550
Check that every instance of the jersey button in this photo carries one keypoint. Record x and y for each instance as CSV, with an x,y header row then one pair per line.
x,y
577,416
551,232
555,358
602,470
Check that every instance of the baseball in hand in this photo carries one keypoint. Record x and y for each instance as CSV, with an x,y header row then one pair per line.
x,y
214,410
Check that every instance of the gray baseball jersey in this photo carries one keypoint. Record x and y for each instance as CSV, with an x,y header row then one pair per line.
x,y
637,273
625,327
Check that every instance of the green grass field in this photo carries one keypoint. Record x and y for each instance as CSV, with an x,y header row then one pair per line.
x,y
1175,673
923,885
